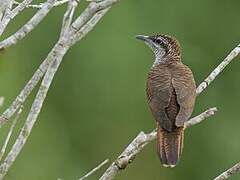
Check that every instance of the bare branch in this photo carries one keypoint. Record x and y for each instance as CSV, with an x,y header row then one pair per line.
x,y
67,19
200,117
128,154
29,26
43,67
54,59
228,173
218,69
140,142
5,9
10,133
10,14
94,170
20,99
96,1
39,6
90,11
49,68
35,109
19,8
88,26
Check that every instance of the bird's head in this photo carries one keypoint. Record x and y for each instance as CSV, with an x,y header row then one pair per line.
x,y
163,46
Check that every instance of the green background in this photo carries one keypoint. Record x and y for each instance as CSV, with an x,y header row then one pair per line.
x,y
97,103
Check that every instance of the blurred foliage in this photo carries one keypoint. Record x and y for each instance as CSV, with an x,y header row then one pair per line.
x,y
97,102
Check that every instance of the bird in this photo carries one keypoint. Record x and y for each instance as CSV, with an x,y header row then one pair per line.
x,y
171,94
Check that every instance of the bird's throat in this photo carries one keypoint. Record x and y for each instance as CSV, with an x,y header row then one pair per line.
x,y
158,60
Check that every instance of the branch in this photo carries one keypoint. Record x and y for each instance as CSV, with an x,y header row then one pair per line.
x,y
67,19
34,111
228,173
47,69
10,133
200,117
90,11
88,26
143,139
26,91
29,26
20,99
10,14
5,8
218,69
39,6
19,8
56,56
140,142
94,170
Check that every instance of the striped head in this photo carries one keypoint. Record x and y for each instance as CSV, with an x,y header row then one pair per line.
x,y
164,47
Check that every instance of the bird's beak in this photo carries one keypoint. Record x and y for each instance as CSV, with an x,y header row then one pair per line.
x,y
142,37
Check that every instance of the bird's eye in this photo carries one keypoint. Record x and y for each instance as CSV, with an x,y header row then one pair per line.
x,y
158,41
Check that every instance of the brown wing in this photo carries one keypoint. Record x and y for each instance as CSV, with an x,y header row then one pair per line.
x,y
185,87
159,90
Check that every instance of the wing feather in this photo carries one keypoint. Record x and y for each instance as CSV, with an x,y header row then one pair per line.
x,y
159,93
185,87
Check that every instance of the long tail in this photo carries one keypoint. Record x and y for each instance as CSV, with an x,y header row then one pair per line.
x,y
169,146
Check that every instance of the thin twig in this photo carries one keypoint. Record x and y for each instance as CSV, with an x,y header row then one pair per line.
x,y
2,152
67,19
94,1
218,69
90,11
20,99
78,35
29,26
4,4
230,172
39,6
20,8
12,13
5,9
94,170
200,117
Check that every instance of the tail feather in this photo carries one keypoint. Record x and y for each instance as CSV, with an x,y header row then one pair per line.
x,y
169,146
